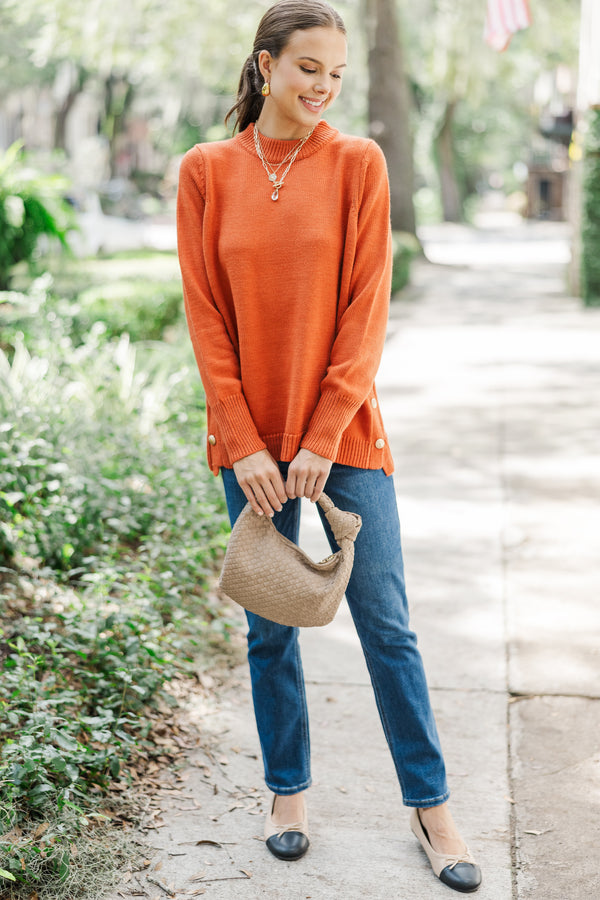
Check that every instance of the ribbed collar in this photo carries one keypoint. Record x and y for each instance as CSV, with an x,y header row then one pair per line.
x,y
275,149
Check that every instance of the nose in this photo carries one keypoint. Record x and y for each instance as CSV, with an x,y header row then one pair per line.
x,y
321,89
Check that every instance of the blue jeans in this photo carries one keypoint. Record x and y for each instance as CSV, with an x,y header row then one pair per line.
x,y
377,599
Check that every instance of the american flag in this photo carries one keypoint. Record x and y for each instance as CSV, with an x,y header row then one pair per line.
x,y
504,17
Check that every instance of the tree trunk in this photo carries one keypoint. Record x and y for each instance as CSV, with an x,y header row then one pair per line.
x,y
390,108
62,113
118,98
444,152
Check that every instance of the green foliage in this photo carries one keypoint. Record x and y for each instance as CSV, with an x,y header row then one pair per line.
x,y
146,310
142,308
590,233
66,726
30,206
99,452
68,853
110,524
496,116
405,248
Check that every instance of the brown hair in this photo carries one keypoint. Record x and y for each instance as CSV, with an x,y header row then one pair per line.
x,y
274,32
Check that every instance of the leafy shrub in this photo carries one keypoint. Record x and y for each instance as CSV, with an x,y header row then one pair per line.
x,y
405,247
70,726
99,457
67,854
590,261
74,687
142,308
145,310
106,501
30,206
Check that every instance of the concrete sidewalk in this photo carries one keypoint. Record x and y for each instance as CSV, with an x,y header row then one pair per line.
x,y
490,388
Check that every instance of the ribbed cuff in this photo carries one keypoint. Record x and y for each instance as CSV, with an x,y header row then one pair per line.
x,y
237,428
333,414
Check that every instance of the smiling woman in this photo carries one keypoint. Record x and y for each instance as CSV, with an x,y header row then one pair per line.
x,y
278,28
287,307
301,85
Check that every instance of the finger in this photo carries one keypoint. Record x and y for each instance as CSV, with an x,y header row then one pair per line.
x,y
290,486
273,484
280,488
270,491
318,488
262,501
321,482
251,498
276,488
309,487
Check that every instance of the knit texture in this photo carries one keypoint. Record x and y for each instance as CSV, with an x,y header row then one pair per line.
x,y
287,301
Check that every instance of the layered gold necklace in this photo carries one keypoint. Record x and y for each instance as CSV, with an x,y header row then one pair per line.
x,y
272,169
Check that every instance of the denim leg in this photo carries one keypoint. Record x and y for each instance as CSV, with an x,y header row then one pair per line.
x,y
377,599
276,673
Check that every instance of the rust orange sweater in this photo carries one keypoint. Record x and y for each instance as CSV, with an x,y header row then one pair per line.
x,y
287,301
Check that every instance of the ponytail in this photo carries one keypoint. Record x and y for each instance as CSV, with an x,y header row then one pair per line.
x,y
249,103
274,32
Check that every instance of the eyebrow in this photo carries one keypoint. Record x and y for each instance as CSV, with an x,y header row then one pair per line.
x,y
319,63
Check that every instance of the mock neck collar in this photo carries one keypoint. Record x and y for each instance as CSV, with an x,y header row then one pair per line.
x,y
275,149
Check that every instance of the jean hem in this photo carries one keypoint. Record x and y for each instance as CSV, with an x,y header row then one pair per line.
x,y
426,804
287,791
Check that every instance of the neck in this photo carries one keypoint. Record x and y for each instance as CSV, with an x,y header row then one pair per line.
x,y
279,131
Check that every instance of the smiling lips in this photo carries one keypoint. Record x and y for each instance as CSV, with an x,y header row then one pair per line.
x,y
312,104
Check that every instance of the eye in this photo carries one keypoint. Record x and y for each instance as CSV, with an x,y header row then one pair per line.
x,y
336,75
308,71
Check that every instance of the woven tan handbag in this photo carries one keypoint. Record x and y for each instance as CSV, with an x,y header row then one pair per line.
x,y
269,575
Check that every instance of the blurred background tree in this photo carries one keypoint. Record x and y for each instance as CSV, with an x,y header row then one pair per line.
x,y
482,114
123,89
390,107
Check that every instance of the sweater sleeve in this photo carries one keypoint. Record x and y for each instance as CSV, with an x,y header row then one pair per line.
x,y
215,353
358,345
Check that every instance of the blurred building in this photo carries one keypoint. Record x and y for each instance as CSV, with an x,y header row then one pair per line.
x,y
66,116
547,181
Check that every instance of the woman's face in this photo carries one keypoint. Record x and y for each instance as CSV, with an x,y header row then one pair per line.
x,y
305,79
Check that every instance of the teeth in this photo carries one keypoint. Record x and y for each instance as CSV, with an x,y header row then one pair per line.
x,y
312,102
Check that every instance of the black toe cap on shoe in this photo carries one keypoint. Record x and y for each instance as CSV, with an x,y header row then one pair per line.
x,y
289,845
464,877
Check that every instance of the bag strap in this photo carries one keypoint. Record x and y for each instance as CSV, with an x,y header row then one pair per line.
x,y
345,525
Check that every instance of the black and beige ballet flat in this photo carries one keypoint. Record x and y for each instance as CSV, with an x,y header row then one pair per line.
x,y
461,873
287,841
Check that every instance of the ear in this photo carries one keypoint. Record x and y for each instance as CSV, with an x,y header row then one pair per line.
x,y
265,64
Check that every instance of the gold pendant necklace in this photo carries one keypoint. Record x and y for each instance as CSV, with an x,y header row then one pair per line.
x,y
271,169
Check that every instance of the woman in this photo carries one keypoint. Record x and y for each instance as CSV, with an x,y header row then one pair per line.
x,y
284,245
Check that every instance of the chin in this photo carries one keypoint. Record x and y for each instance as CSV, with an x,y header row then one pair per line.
x,y
311,119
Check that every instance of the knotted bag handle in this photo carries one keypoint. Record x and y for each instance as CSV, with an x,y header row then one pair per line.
x,y
345,525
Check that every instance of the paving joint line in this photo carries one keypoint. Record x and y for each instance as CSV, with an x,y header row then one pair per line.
x,y
504,554
517,696
433,688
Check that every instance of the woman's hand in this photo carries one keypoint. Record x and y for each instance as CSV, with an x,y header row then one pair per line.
x,y
307,475
259,477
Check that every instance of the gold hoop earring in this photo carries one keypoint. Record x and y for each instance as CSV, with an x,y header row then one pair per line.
x,y
266,89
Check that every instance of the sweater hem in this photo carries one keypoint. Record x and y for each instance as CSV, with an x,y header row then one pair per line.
x,y
354,452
